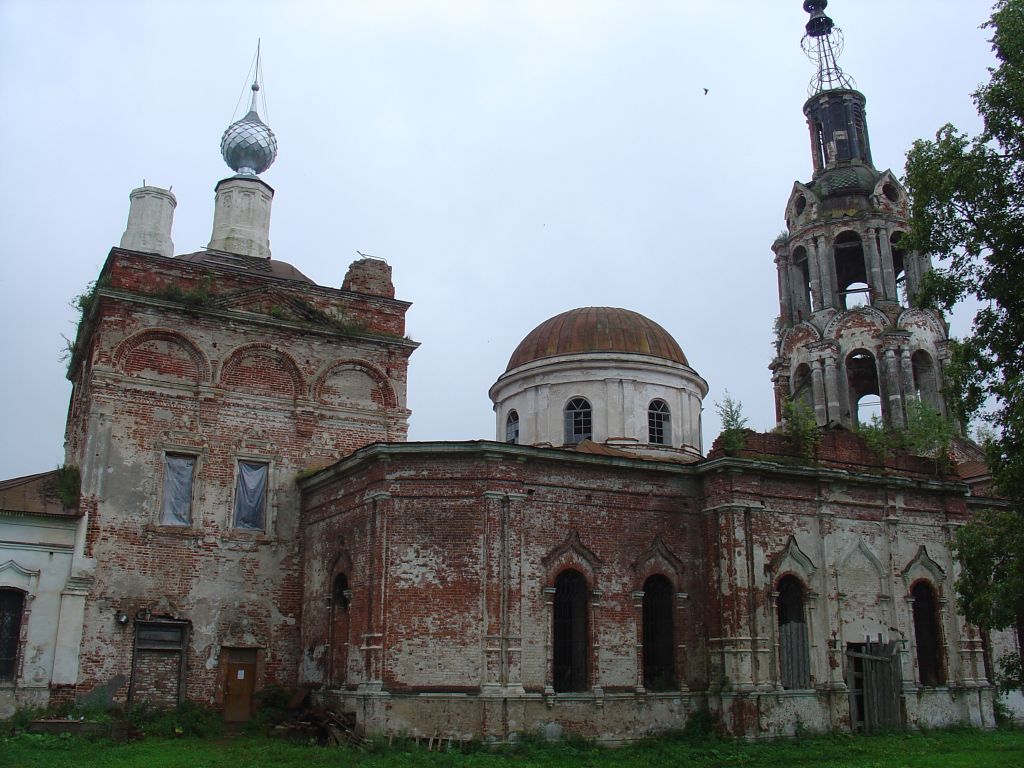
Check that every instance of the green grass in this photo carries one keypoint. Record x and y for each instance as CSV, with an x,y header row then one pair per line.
x,y
946,749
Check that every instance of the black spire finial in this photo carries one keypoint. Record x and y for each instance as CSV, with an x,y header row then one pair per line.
x,y
820,24
823,43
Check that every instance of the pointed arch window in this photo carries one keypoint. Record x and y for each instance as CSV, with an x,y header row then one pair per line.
x,y
927,635
571,645
12,606
658,634
794,654
659,423
512,428
578,421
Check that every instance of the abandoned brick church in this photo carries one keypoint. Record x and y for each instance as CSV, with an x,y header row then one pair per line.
x,y
251,513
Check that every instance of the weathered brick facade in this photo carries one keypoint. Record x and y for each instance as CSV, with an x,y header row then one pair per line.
x,y
252,515
450,552
219,360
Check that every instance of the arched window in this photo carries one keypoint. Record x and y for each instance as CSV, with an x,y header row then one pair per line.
x,y
658,637
927,635
851,271
803,289
862,378
794,655
341,597
899,260
800,384
12,605
925,388
659,423
571,643
512,428
577,421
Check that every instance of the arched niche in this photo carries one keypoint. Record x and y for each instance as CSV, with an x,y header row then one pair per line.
x,y
261,369
162,354
861,574
354,383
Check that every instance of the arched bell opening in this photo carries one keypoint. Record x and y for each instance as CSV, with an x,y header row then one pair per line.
x,y
899,267
801,390
851,271
865,393
804,297
926,385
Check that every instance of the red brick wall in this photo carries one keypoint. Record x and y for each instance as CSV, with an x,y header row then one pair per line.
x,y
222,384
455,537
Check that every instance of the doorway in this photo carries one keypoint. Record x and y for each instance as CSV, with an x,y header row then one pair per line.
x,y
239,683
874,681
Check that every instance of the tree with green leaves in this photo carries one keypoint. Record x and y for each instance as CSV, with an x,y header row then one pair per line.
x,y
733,423
968,210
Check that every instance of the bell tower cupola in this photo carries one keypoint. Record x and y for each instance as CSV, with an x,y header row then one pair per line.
x,y
834,109
850,345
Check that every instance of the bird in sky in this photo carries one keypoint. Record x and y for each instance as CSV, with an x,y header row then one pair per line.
x,y
705,91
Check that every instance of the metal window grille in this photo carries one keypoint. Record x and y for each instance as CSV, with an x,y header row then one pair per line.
x,y
659,425
512,428
658,637
12,603
571,645
577,421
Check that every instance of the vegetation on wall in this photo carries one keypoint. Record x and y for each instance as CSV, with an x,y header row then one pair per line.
x,y
734,424
83,303
200,296
67,485
801,429
968,210
927,433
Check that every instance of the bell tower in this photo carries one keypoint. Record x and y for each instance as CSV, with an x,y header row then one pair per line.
x,y
849,344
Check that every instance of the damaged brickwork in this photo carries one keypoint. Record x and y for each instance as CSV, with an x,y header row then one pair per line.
x,y
220,365
450,553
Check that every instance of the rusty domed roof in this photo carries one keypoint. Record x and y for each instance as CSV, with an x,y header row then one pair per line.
x,y
597,329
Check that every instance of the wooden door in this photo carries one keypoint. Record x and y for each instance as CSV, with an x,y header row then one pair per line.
x,y
239,684
874,682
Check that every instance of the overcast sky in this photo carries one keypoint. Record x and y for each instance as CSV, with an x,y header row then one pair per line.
x,y
510,160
